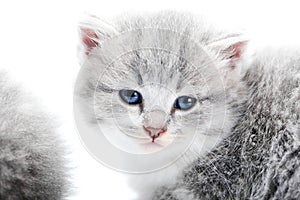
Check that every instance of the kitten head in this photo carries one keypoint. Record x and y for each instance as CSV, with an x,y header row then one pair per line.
x,y
159,86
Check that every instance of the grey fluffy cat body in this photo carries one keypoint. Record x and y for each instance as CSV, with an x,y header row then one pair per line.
x,y
261,158
32,155
247,100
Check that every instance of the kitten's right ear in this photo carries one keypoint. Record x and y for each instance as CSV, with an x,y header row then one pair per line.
x,y
92,32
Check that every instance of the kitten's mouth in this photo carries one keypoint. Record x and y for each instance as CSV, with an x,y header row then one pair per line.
x,y
154,132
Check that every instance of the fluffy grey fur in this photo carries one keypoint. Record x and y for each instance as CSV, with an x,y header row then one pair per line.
x,y
261,159
32,162
256,112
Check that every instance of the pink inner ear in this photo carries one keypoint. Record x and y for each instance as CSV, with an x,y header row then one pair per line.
x,y
236,51
89,38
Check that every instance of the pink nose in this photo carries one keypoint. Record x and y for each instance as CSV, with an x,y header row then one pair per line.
x,y
155,123
155,132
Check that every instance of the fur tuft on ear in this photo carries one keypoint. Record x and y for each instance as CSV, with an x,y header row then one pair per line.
x,y
92,32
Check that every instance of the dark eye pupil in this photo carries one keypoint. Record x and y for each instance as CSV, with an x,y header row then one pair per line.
x,y
131,96
184,102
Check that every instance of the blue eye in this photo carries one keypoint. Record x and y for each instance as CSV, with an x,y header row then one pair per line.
x,y
131,97
184,102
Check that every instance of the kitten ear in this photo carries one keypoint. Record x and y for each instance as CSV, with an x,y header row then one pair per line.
x,y
89,39
231,48
92,32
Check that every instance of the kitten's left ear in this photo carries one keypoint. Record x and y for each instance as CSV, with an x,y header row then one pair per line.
x,y
92,32
231,49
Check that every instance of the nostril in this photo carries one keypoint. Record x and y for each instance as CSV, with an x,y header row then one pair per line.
x,y
154,132
151,129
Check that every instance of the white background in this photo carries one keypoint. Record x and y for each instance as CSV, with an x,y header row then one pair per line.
x,y
38,42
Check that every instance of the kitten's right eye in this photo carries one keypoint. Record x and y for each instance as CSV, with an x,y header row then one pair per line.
x,y
131,97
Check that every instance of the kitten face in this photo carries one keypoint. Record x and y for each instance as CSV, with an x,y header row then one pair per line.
x,y
160,85
155,87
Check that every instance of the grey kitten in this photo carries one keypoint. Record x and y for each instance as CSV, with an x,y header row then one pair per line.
x,y
32,156
168,85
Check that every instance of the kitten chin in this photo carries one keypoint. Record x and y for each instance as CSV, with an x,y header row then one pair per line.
x,y
145,184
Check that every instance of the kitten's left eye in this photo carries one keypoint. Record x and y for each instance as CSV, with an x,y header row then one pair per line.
x,y
131,97
184,102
